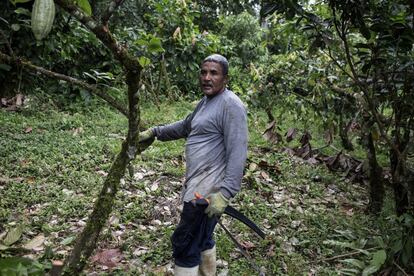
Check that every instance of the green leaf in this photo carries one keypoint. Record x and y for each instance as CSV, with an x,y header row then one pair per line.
x,y
85,6
354,262
114,89
14,2
20,266
397,246
370,270
5,67
22,11
144,61
378,258
350,271
68,240
89,75
407,251
141,42
155,45
380,241
13,235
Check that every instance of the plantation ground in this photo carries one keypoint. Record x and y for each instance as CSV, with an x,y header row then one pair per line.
x,y
53,164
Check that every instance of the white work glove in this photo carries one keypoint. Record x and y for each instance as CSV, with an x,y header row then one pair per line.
x,y
217,203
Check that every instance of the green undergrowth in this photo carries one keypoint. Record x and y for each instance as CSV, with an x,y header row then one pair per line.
x,y
54,162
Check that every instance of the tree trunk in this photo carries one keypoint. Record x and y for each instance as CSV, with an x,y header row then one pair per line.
x,y
399,170
401,177
400,192
376,183
343,133
270,117
86,241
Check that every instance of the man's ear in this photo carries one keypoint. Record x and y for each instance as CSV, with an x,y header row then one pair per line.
x,y
226,79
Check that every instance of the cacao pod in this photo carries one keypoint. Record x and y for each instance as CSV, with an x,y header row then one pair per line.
x,y
43,14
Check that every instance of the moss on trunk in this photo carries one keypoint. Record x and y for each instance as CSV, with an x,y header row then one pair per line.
x,y
87,240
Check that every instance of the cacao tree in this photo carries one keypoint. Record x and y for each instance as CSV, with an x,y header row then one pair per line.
x,y
371,44
86,241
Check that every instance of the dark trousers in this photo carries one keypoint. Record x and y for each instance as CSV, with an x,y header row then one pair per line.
x,y
193,235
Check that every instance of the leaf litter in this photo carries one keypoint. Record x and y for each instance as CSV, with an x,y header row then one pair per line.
x,y
148,208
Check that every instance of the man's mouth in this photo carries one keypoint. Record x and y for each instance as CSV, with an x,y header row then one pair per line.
x,y
207,86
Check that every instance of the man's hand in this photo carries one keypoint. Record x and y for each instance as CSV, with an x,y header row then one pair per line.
x,y
217,204
145,139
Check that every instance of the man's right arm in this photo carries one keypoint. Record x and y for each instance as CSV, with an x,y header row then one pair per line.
x,y
173,131
177,130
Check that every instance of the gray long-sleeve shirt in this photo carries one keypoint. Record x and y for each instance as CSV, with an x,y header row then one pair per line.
x,y
216,146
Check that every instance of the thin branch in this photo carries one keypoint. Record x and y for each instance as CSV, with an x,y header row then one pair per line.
x,y
341,256
92,88
110,10
401,269
103,34
7,43
346,255
337,63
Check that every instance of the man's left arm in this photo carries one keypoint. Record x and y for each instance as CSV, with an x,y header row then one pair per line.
x,y
235,140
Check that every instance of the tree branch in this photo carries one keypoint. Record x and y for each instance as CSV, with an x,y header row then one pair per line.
x,y
110,10
362,86
103,34
7,43
337,63
91,88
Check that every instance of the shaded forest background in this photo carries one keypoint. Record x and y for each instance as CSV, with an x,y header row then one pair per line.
x,y
342,70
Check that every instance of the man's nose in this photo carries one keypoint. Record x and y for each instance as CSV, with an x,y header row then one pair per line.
x,y
207,77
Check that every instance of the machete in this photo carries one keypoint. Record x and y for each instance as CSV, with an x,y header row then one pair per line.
x,y
239,216
201,201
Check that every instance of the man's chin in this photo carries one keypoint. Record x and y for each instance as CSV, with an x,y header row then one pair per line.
x,y
211,92
208,92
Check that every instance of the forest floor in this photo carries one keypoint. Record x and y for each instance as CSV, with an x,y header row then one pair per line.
x,y
53,164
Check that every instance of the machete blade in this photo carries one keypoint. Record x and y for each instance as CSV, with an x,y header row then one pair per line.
x,y
239,216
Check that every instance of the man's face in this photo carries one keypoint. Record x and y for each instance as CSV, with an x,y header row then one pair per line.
x,y
212,79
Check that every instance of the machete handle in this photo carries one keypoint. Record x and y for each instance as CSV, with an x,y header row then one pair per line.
x,y
199,196
199,200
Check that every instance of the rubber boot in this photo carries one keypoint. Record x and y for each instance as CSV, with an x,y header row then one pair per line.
x,y
208,266
185,271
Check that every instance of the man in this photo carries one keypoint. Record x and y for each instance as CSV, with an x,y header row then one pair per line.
x,y
216,149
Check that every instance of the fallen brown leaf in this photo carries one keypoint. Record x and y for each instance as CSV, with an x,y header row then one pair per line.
x,y
35,243
248,245
271,134
28,130
108,257
291,134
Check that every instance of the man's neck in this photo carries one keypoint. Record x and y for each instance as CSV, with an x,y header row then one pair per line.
x,y
218,93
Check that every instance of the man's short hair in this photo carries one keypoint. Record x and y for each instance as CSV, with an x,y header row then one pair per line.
x,y
220,60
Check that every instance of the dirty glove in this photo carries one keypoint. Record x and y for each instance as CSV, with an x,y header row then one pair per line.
x,y
146,138
217,204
